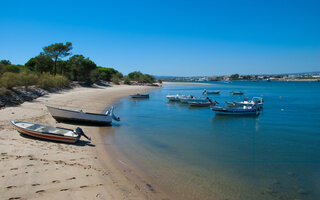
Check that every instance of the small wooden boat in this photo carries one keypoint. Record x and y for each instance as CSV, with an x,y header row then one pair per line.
x,y
237,93
176,97
140,96
48,132
63,114
205,92
206,103
202,104
258,101
245,110
185,99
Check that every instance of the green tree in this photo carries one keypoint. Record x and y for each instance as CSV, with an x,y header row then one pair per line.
x,y
57,51
74,64
41,63
234,77
141,78
5,62
106,74
81,68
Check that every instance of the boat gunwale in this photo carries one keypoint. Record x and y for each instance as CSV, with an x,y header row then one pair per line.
x,y
46,135
76,111
42,132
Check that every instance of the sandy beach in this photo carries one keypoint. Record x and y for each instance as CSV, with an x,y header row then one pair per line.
x,y
37,169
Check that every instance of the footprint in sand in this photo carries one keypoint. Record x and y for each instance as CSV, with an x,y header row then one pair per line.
x,y
40,191
83,186
64,189
71,178
14,169
11,186
99,184
56,181
35,184
30,165
13,198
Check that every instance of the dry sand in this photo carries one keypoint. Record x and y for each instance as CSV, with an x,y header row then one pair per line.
x,y
37,169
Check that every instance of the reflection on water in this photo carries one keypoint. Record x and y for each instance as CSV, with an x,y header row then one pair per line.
x,y
194,154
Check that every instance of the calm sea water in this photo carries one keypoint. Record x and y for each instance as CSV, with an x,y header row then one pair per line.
x,y
193,154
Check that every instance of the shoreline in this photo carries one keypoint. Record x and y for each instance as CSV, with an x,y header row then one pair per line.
x,y
41,169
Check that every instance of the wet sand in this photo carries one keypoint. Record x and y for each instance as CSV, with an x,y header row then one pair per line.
x,y
38,169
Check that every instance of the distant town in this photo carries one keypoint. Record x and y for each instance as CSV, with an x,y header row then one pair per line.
x,y
308,76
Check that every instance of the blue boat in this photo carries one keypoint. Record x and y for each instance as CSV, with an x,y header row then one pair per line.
x,y
245,110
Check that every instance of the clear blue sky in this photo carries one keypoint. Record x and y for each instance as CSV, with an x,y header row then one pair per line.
x,y
169,37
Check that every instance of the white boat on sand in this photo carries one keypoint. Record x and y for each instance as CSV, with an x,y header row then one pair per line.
x,y
64,114
48,132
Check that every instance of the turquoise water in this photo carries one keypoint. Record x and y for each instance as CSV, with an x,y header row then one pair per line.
x,y
193,154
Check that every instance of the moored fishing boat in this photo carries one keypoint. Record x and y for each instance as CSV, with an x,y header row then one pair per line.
x,y
258,101
175,97
48,132
140,96
64,114
203,104
211,92
185,99
245,110
237,93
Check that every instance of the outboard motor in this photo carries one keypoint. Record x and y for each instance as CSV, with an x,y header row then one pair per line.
x,y
80,132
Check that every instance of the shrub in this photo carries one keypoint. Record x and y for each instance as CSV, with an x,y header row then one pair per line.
x,y
5,92
48,81
115,80
61,81
94,76
127,80
28,79
9,80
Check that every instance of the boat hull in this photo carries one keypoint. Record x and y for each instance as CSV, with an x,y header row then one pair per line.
x,y
46,135
78,116
197,104
226,111
146,96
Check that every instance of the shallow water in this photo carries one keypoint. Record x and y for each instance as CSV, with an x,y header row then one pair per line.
x,y
193,154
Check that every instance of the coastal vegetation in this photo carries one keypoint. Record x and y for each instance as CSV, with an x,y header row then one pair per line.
x,y
48,70
55,67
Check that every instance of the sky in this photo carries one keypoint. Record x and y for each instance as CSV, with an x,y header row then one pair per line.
x,y
167,37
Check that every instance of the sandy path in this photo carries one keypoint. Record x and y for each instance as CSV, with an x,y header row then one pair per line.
x,y
35,169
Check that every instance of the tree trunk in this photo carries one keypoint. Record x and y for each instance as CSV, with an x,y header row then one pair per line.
x,y
55,66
